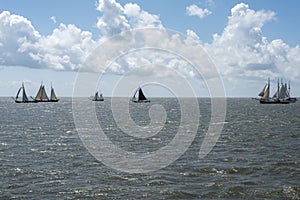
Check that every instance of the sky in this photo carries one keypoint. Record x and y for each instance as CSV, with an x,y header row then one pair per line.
x,y
55,41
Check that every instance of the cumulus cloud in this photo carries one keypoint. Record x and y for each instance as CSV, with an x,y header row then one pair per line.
x,y
116,19
15,32
22,45
194,10
65,49
242,49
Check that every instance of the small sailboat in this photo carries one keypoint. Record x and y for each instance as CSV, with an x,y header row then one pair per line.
x,y
42,96
139,97
97,97
24,98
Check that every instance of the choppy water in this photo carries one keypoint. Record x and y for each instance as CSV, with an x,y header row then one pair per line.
x,y
256,157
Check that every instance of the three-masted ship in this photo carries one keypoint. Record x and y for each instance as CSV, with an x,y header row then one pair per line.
x,y
281,96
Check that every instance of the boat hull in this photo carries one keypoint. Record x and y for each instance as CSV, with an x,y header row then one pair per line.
x,y
292,100
141,101
25,101
41,101
273,101
97,99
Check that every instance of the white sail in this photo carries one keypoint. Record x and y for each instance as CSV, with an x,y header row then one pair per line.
x,y
266,92
282,92
263,91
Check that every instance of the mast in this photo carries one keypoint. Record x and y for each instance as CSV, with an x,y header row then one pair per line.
x,y
289,91
278,89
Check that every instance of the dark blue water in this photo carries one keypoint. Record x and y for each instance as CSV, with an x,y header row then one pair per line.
x,y
256,157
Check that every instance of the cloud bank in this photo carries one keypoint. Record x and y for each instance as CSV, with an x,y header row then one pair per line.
x,y
241,50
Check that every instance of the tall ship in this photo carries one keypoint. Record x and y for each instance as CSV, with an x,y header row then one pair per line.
x,y
139,97
281,96
42,96
21,96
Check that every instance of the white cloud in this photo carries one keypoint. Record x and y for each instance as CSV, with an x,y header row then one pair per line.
x,y
112,20
65,49
15,31
243,51
21,45
115,18
194,10
53,19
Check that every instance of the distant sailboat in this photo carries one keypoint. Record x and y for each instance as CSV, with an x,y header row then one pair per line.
x,y
97,97
281,96
42,96
139,97
24,98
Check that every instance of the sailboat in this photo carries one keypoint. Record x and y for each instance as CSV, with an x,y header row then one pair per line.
x,y
280,96
139,97
24,98
97,97
42,96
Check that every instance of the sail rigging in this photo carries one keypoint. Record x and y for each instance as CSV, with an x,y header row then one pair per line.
x,y
139,96
24,96
281,95
42,96
261,94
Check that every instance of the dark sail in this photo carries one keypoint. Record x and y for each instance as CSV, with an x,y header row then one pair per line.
x,y
141,95
97,97
24,96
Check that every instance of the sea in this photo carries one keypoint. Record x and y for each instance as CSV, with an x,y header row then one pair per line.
x,y
256,155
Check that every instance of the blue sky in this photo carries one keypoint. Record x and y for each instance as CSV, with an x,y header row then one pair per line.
x,y
49,41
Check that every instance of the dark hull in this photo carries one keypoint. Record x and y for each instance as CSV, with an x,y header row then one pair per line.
x,y
93,99
141,101
292,100
56,100
273,102
25,101
97,99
